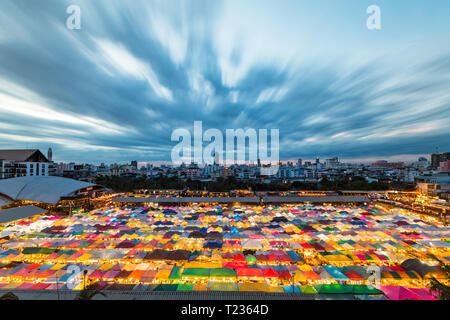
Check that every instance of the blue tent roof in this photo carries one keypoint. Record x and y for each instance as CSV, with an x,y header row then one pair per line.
x,y
336,273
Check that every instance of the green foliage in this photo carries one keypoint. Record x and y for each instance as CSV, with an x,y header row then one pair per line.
x,y
436,286
9,296
89,293
128,184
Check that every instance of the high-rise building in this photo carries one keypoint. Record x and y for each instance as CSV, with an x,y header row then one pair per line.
x,y
50,154
332,163
437,158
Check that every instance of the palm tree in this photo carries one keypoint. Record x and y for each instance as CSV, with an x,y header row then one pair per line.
x,y
89,293
442,290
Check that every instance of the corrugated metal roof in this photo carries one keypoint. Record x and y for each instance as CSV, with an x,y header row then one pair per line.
x,y
4,202
315,199
188,199
13,214
17,155
41,189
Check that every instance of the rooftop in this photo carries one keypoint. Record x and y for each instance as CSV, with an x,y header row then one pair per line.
x,y
20,155
19,213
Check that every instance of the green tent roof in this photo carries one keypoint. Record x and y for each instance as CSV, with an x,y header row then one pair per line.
x,y
152,286
333,288
37,250
166,287
196,272
362,289
185,287
30,250
307,289
250,259
175,274
222,272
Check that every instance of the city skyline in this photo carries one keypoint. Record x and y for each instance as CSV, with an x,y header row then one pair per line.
x,y
114,90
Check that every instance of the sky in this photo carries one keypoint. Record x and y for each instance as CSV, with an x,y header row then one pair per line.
x,y
136,70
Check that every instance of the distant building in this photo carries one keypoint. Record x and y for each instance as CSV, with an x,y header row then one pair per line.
x,y
444,166
388,165
422,163
433,185
437,158
332,163
24,163
50,154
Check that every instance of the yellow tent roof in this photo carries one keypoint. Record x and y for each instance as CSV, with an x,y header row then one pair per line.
x,y
106,266
129,267
84,257
210,265
58,266
299,276
162,274
305,267
200,287
338,258
276,289
254,287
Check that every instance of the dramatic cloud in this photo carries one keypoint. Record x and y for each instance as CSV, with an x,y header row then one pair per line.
x,y
137,70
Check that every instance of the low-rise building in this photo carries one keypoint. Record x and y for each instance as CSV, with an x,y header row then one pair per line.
x,y
24,163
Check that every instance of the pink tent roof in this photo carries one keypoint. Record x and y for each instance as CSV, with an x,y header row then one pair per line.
x,y
110,274
39,286
25,285
424,293
399,293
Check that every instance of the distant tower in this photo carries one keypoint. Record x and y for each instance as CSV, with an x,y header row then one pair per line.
x,y
50,154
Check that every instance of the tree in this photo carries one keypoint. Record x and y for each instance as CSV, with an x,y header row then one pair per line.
x,y
9,296
89,293
437,287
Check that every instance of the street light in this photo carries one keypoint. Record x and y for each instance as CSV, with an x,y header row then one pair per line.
x,y
84,279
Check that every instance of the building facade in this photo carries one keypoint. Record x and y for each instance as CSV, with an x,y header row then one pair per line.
x,y
24,163
437,158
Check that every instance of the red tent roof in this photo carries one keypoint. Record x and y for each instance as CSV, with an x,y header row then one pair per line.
x,y
239,257
249,272
283,274
234,265
352,275
270,273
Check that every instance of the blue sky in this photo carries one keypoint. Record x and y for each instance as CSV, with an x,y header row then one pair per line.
x,y
136,70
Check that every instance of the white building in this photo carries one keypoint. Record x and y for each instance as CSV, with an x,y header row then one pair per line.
x,y
24,163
